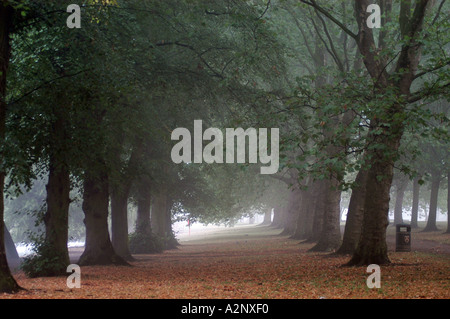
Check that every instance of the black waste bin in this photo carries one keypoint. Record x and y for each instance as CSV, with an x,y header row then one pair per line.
x,y
403,237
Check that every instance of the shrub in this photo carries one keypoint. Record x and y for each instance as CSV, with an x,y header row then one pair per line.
x,y
44,262
145,243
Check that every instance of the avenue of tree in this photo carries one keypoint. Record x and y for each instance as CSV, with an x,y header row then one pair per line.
x,y
88,112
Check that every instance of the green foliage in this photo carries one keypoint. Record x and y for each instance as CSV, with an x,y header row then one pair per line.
x,y
136,70
43,262
145,243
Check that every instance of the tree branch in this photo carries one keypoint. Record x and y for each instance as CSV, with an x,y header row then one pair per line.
x,y
329,16
420,95
437,67
44,84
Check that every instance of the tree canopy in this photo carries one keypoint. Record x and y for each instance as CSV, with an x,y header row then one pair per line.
x,y
91,111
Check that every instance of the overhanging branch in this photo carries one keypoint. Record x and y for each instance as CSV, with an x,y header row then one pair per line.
x,y
313,4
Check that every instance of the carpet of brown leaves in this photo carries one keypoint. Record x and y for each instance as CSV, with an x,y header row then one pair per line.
x,y
257,264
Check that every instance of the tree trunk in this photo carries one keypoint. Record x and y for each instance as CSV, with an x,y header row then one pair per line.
x,y
11,251
398,210
306,212
144,202
158,213
267,216
98,247
170,242
7,282
372,247
119,222
448,203
435,182
291,213
415,204
318,211
119,197
56,218
355,214
279,213
330,236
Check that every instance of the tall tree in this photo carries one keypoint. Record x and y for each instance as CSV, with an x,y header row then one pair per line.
x,y
7,281
387,123
400,188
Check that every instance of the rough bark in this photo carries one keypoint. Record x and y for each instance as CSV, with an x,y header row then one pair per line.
x,y
353,224
415,203
330,236
387,131
98,247
7,282
372,247
435,182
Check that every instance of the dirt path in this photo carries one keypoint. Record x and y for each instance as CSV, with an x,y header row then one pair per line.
x,y
238,233
246,262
